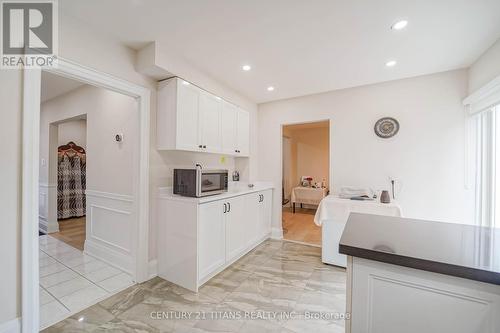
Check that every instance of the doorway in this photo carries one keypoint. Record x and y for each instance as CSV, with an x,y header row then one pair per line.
x,y
136,263
306,173
71,180
79,157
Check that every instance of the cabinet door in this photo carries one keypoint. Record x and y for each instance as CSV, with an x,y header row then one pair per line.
x,y
229,121
253,206
210,122
243,130
211,238
187,116
265,213
237,238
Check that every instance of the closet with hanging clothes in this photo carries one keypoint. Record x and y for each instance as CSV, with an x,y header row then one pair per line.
x,y
71,181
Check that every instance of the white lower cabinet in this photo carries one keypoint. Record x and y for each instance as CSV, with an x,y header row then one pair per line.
x,y
198,240
265,209
238,224
211,238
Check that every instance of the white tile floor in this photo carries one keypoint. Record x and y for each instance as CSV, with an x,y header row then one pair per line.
x,y
71,281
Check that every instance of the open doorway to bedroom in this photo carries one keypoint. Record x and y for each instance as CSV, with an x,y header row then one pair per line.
x,y
306,173
71,179
88,165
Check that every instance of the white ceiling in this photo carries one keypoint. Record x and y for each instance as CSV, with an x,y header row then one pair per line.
x,y
302,46
55,85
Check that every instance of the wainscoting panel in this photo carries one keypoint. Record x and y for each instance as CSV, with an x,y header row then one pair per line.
x,y
110,228
47,208
393,299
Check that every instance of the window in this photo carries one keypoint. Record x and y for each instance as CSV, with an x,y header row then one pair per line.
x,y
485,130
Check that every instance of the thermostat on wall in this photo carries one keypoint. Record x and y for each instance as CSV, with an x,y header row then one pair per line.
x,y
119,137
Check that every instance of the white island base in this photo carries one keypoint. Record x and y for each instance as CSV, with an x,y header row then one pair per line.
x,y
386,298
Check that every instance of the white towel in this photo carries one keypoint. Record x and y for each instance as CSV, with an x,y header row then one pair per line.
x,y
347,192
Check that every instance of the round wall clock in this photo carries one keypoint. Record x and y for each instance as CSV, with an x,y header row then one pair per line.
x,y
386,127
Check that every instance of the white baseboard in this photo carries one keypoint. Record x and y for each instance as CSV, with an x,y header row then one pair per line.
x,y
46,227
11,326
153,268
277,233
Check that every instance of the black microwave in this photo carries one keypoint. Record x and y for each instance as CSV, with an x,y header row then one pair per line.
x,y
199,183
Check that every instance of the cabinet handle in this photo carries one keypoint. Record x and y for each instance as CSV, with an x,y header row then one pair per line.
x,y
225,208
200,146
204,146
229,205
262,197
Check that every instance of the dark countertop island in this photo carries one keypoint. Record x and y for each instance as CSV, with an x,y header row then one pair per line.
x,y
459,250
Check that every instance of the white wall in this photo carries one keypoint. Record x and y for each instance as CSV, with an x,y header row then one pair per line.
x,y
486,68
10,194
94,49
74,130
427,155
310,154
110,169
110,165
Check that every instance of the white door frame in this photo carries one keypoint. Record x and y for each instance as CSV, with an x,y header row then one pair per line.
x,y
30,177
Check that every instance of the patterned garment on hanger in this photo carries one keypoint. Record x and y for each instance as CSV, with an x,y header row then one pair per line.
x,y
70,187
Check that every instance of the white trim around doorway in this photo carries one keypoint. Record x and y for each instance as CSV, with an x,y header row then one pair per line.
x,y
30,177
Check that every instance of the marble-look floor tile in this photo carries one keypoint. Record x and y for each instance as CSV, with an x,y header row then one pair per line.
x,y
57,278
72,260
316,326
125,326
84,321
51,269
52,312
276,277
126,299
69,277
89,267
45,261
102,274
45,297
83,298
116,283
224,283
156,317
263,326
69,287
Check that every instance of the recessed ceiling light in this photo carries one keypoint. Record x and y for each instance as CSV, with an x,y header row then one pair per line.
x,y
399,25
246,68
81,319
270,88
391,63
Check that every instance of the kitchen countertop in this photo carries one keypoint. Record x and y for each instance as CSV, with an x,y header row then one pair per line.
x,y
234,190
460,250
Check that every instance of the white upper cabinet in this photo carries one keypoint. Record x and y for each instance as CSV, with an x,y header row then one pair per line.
x,y
210,122
229,122
243,130
189,118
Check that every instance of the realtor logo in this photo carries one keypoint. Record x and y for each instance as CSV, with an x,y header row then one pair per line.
x,y
28,33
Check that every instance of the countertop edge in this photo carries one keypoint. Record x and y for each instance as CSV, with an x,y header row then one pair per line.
x,y
422,264
216,197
